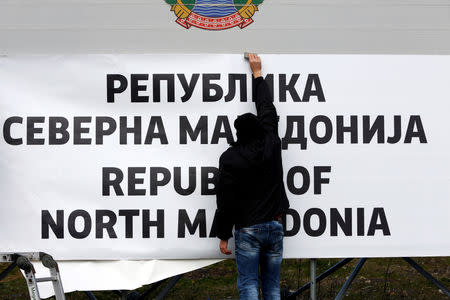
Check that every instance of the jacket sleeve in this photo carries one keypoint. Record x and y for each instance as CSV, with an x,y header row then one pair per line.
x,y
265,109
226,187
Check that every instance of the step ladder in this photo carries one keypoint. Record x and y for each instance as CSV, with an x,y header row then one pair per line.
x,y
23,261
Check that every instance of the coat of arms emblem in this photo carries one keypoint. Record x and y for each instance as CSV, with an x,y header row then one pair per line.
x,y
214,14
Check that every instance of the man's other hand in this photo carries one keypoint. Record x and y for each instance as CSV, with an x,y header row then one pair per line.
x,y
255,64
224,247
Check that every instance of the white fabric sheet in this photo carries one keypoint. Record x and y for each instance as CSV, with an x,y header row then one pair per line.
x,y
116,275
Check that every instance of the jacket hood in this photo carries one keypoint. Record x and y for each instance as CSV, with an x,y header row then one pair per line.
x,y
248,128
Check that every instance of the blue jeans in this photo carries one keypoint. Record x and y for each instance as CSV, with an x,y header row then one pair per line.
x,y
259,245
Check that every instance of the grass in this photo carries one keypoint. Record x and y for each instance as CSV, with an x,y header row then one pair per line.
x,y
380,278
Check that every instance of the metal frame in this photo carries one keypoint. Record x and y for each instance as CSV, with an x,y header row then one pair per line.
x,y
320,277
133,295
313,268
350,279
427,276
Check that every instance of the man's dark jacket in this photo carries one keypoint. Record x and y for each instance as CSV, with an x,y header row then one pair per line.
x,y
250,187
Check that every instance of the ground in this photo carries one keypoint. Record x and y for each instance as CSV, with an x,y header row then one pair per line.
x,y
380,278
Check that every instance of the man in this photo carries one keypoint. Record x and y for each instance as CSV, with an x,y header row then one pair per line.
x,y
251,195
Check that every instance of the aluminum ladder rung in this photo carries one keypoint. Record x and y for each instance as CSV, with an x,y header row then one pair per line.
x,y
45,279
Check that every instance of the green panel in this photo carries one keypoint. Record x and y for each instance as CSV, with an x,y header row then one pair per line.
x,y
240,3
188,3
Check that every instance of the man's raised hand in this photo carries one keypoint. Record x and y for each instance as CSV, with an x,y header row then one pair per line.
x,y
255,64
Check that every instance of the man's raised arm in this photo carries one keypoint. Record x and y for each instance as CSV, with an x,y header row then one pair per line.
x,y
265,109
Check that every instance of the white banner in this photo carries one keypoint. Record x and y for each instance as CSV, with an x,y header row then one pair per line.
x,y
115,156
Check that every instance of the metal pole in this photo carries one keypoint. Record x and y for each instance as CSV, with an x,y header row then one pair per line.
x,y
427,275
90,295
168,287
349,281
312,276
153,287
321,276
121,294
8,270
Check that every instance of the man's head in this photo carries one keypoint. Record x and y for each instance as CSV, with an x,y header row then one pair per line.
x,y
248,128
